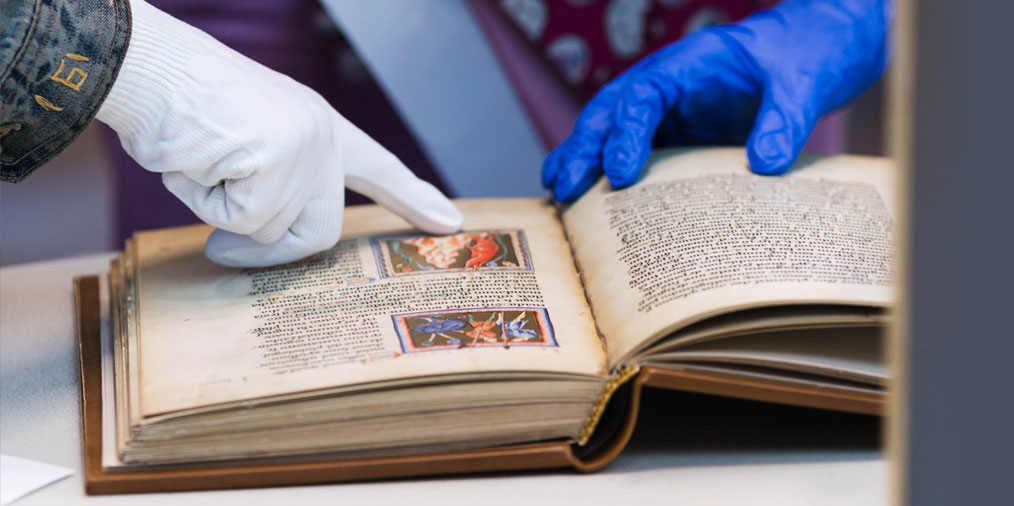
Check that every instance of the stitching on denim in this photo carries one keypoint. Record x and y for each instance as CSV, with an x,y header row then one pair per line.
x,y
23,46
88,109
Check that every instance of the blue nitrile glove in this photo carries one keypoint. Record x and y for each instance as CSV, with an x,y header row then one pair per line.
x,y
765,80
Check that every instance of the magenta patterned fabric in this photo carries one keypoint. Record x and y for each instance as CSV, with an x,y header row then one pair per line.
x,y
591,41
581,44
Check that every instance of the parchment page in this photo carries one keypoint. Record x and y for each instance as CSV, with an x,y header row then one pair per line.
x,y
701,235
386,303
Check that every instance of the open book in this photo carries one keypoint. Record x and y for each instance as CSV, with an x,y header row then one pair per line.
x,y
516,330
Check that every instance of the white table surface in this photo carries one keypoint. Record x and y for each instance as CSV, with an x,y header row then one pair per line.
x,y
688,450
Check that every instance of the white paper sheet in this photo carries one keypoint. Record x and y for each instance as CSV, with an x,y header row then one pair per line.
x,y
20,477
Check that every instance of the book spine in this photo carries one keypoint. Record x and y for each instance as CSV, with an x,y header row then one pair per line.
x,y
617,380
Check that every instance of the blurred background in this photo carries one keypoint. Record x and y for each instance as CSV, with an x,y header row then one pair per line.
x,y
470,94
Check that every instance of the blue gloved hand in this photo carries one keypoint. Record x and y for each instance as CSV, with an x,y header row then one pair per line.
x,y
765,80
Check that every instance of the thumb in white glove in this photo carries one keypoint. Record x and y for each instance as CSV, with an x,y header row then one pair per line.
x,y
259,156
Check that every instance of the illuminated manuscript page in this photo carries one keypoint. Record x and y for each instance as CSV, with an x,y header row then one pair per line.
x,y
701,235
387,303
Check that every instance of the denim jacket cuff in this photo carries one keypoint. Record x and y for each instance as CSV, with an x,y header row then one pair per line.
x,y
60,58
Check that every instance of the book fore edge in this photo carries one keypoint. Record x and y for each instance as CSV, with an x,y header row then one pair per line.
x,y
615,382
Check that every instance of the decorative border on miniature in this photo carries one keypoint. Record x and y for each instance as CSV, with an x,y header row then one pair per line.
x,y
383,259
541,316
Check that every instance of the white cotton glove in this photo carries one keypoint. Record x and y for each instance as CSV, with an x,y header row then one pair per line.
x,y
251,151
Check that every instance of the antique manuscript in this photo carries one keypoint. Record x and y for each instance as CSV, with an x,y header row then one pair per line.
x,y
385,304
700,235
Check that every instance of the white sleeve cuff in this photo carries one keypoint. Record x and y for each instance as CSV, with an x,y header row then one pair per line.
x,y
153,70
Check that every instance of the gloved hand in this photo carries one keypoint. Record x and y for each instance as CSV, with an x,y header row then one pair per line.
x,y
765,80
252,152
